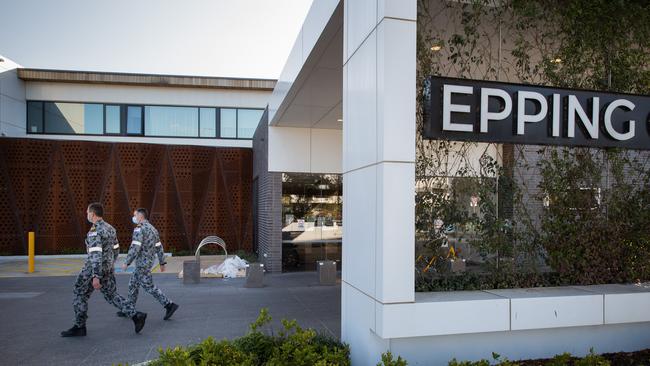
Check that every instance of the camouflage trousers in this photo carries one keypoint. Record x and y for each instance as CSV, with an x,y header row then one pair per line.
x,y
83,288
142,278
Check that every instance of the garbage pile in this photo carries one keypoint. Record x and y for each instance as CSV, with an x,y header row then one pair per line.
x,y
232,267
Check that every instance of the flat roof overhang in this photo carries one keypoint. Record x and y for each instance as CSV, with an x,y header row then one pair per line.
x,y
309,91
117,78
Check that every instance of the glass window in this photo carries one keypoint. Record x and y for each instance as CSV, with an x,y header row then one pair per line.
x,y
312,213
247,120
228,123
171,121
208,119
134,120
113,119
35,117
74,118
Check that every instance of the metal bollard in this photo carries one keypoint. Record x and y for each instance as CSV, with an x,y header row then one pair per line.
x,y
30,252
191,272
326,272
255,275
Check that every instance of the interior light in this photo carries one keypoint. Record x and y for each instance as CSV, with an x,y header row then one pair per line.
x,y
436,47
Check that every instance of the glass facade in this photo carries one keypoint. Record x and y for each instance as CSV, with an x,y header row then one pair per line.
x,y
312,222
141,120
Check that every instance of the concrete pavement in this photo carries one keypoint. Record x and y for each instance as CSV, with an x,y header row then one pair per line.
x,y
33,310
69,265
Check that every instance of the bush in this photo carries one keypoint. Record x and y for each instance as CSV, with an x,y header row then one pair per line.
x,y
485,281
388,360
208,352
565,359
293,346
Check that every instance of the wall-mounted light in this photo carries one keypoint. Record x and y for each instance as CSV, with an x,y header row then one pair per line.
x,y
339,120
556,60
436,48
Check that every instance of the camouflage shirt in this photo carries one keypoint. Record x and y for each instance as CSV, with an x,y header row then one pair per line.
x,y
145,246
102,247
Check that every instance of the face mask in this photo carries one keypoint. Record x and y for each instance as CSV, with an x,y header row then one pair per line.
x,y
134,219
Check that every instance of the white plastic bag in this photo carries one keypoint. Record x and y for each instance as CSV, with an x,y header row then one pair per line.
x,y
229,268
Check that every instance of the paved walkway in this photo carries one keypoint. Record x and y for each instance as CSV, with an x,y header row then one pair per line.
x,y
69,265
33,310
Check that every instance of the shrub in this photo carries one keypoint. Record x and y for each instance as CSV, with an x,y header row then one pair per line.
x,y
388,360
298,348
293,346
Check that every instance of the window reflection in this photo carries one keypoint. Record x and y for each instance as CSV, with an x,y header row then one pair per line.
x,y
73,118
247,120
171,121
228,123
119,119
311,220
208,122
134,120
34,117
113,119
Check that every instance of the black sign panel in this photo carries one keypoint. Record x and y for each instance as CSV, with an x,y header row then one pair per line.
x,y
487,111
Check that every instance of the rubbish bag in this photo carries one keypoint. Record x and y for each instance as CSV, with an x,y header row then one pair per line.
x,y
229,268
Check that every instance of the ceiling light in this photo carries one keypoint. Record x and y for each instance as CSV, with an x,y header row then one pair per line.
x,y
436,47
339,120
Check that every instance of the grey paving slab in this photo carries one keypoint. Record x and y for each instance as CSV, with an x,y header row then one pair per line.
x,y
34,310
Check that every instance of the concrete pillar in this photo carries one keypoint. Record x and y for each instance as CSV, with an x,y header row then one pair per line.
x,y
379,70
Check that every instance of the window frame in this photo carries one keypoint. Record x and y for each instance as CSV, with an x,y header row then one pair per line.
x,y
124,114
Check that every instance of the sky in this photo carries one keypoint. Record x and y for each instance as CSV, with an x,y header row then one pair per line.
x,y
230,38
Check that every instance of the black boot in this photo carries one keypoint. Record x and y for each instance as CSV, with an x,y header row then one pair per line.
x,y
138,321
121,314
75,331
170,309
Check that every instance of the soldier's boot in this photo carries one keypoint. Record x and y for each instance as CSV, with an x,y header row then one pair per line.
x,y
138,320
75,331
121,314
169,310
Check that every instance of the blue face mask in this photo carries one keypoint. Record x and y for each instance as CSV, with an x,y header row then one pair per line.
x,y
134,219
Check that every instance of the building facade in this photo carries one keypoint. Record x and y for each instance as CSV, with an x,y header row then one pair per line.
x,y
179,146
322,162
349,86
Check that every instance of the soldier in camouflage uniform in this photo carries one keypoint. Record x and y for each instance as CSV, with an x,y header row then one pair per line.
x,y
144,247
98,274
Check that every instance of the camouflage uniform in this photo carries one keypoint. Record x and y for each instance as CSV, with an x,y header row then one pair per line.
x,y
102,247
144,247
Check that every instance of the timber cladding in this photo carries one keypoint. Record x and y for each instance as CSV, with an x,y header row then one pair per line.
x,y
190,191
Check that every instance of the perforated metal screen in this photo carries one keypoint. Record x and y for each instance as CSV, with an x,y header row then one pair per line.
x,y
191,192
